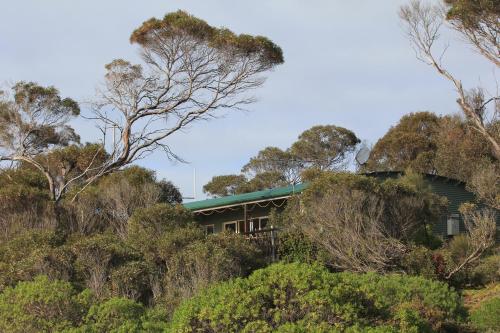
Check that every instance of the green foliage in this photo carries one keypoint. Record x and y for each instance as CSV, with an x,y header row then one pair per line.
x,y
324,147
471,12
131,280
487,317
220,186
22,257
201,263
318,148
294,246
181,22
390,215
110,202
487,271
427,143
300,298
426,237
411,143
148,225
40,306
422,261
169,193
96,256
38,115
114,316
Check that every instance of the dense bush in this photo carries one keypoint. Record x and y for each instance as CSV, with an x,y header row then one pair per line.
x,y
29,254
364,224
204,262
294,246
307,298
422,261
486,318
41,306
114,315
96,256
148,226
487,271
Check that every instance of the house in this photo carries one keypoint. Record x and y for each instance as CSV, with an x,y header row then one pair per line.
x,y
242,213
249,212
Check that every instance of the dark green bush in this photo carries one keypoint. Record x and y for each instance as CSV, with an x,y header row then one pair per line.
x,y
420,261
204,262
152,222
114,315
41,306
28,255
294,246
487,271
486,318
307,298
96,257
131,280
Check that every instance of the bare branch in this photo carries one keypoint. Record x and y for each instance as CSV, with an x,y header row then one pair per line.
x,y
423,24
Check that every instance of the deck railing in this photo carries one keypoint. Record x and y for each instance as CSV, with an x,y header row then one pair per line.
x,y
267,240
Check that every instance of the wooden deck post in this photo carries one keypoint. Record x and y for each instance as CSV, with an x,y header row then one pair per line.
x,y
273,245
245,218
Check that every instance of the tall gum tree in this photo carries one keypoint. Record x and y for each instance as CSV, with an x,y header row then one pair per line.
x,y
478,22
190,71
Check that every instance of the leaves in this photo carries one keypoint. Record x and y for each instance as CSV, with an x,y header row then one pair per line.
x,y
286,296
182,23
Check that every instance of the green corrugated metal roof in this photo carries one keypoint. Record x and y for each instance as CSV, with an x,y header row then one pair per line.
x,y
246,197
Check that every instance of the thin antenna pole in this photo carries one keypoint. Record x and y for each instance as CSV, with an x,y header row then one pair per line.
x,y
194,183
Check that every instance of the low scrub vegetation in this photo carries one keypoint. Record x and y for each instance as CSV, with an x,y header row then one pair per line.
x,y
308,298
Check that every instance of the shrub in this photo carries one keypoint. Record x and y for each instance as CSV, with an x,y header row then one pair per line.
x,y
487,271
96,256
487,317
303,298
131,280
420,261
294,246
114,315
152,222
26,256
363,224
204,262
40,306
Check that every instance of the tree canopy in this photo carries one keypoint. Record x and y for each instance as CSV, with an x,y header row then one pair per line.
x,y
478,22
319,148
190,71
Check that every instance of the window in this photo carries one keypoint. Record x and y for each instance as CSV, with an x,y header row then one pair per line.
x,y
453,225
209,229
258,223
230,226
263,222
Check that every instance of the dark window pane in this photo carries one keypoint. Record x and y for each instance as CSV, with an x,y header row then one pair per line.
x,y
230,227
209,229
263,223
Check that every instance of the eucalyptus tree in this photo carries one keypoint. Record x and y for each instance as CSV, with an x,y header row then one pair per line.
x,y
320,148
190,71
478,22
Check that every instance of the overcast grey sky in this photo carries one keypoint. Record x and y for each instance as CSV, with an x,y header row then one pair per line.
x,y
346,63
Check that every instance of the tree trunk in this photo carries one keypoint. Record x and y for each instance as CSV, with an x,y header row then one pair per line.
x,y
61,224
478,124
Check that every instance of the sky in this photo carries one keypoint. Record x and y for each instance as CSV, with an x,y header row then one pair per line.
x,y
347,63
